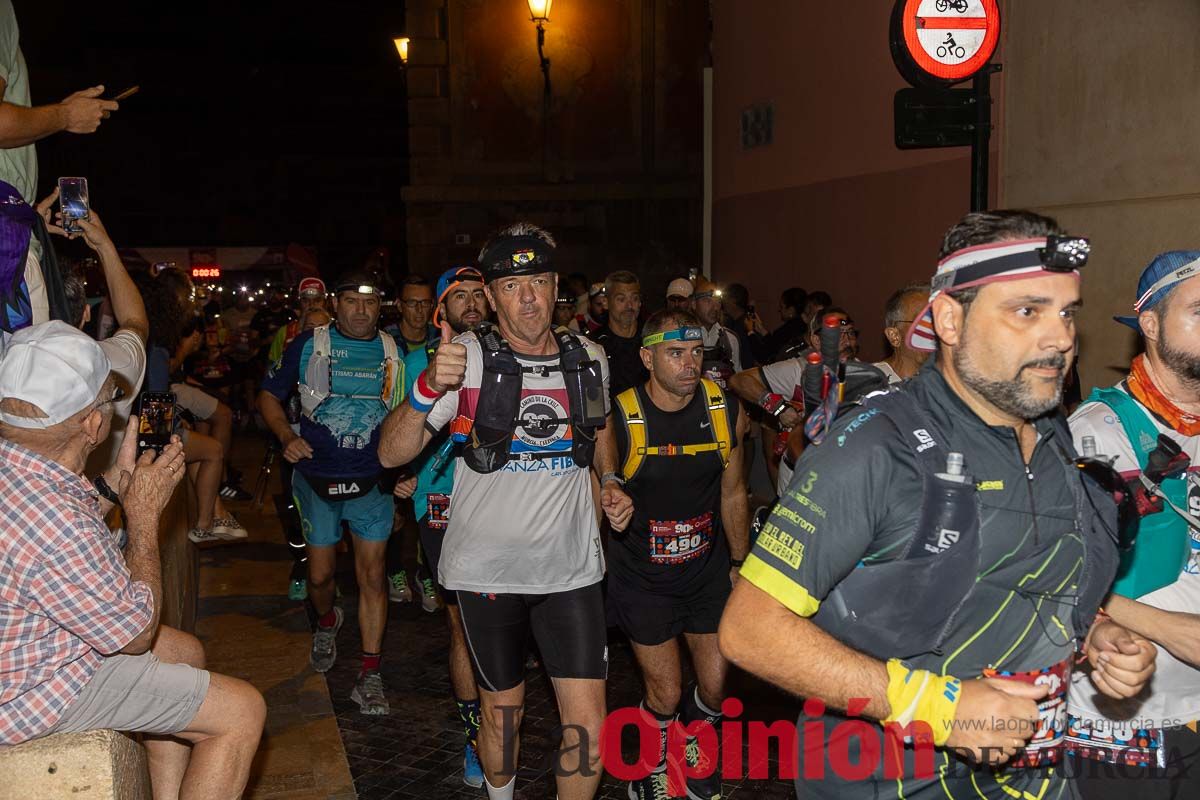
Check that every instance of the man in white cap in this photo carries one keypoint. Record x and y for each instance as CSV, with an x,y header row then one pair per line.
x,y
311,295
958,492
81,647
679,295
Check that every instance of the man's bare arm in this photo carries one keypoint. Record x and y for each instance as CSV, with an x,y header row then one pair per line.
x,y
1176,631
748,385
79,113
735,506
605,458
403,435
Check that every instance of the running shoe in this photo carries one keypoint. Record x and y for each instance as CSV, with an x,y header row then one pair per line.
x,y
701,788
232,491
651,787
472,769
298,589
398,589
229,528
202,536
324,644
368,693
429,595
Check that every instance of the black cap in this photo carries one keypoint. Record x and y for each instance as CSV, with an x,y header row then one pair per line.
x,y
506,256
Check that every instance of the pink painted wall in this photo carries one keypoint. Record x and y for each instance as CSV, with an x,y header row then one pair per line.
x,y
831,203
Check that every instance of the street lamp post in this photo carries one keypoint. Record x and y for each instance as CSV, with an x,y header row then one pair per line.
x,y
539,13
401,43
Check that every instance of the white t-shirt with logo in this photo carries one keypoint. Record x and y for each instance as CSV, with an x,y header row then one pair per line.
x,y
1173,694
529,527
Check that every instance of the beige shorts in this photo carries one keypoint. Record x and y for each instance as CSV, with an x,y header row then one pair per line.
x,y
202,404
137,694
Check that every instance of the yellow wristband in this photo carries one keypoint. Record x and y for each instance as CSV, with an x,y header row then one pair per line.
x,y
917,695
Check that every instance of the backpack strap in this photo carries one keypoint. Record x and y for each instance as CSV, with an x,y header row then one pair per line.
x,y
314,385
1139,430
635,430
391,391
718,416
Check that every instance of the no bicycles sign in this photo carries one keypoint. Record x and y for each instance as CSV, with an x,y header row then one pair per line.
x,y
943,42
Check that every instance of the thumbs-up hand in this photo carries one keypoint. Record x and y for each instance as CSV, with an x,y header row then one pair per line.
x,y
448,366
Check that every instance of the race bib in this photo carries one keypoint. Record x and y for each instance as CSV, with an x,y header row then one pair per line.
x,y
438,506
1045,746
1112,742
677,541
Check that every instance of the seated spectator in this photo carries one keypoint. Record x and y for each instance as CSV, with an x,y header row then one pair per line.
x,y
81,646
902,308
168,305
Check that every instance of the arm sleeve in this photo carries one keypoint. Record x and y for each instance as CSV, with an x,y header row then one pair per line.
x,y
85,587
849,498
283,376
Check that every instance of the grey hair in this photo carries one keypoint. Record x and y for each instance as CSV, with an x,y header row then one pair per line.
x,y
621,276
892,311
522,228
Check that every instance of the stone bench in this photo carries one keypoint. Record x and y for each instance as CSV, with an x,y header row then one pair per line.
x,y
97,765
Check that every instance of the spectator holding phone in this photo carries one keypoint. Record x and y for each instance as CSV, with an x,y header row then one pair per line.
x,y
125,347
81,646
22,124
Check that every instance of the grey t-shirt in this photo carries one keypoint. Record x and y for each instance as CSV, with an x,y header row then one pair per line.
x,y
530,527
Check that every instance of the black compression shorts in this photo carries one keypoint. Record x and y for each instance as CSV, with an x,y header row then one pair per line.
x,y
568,627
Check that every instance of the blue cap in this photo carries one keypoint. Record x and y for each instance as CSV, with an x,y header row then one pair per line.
x,y
456,275
1158,279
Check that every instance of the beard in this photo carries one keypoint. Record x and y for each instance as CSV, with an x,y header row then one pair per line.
x,y
1185,365
1012,396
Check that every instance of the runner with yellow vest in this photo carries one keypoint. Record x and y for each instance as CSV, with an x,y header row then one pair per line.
x,y
676,500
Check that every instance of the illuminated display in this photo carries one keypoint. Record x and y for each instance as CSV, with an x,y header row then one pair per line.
x,y
209,273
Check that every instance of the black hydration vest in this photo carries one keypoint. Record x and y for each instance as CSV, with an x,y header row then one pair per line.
x,y
936,573
487,448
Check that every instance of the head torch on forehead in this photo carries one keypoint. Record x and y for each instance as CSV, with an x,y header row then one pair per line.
x,y
1065,253
361,288
687,334
1055,254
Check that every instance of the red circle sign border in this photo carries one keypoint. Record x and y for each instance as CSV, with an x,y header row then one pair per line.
x,y
957,72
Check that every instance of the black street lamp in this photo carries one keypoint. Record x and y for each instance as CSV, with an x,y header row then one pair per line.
x,y
539,13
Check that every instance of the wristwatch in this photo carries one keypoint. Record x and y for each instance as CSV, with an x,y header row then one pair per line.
x,y
105,490
736,562
611,476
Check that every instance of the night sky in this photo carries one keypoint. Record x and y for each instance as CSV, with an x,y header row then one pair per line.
x,y
257,123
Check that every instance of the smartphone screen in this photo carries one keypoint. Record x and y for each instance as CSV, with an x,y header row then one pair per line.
x,y
156,421
73,197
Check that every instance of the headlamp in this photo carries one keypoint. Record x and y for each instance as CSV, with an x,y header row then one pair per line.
x,y
361,288
687,334
1065,253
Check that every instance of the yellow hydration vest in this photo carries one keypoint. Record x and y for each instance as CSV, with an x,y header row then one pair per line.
x,y
635,429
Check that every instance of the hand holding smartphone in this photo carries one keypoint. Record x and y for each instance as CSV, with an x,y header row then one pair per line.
x,y
73,197
156,421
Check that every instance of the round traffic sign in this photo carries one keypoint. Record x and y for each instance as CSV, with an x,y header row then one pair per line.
x,y
946,41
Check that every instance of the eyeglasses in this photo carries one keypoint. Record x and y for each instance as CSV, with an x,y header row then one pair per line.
x,y
117,395
415,304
